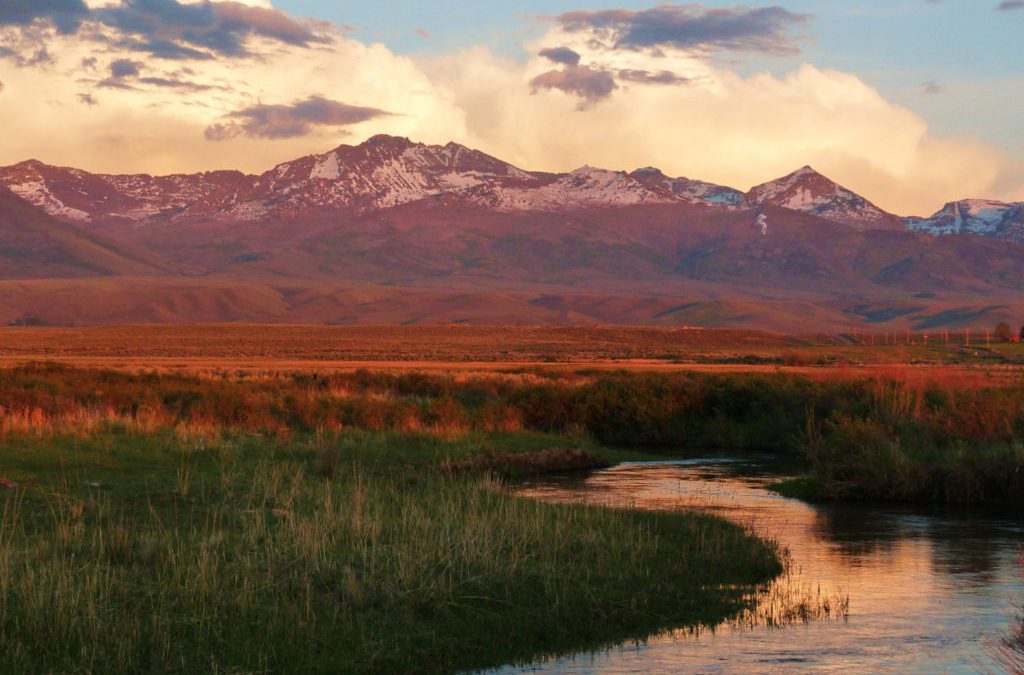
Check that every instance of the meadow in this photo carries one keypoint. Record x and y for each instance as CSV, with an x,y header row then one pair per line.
x,y
356,520
155,522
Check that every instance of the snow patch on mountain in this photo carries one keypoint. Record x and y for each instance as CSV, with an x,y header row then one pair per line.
x,y
584,187
688,189
39,194
327,168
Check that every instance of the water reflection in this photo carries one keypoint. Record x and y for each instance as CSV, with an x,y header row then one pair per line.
x,y
929,589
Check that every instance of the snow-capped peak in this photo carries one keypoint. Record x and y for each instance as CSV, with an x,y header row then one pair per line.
x,y
808,191
984,217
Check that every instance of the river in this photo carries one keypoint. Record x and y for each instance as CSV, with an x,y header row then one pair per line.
x,y
929,589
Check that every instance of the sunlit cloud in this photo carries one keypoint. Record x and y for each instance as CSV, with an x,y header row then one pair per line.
x,y
131,88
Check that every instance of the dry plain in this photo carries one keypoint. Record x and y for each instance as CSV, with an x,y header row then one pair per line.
x,y
226,349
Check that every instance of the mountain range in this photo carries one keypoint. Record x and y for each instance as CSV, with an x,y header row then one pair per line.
x,y
392,231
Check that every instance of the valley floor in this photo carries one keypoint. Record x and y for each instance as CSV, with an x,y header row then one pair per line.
x,y
202,515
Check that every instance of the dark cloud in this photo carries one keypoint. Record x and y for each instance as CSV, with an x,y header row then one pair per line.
x,y
173,83
931,87
648,77
87,99
562,55
123,68
121,72
220,27
127,74
759,29
1010,4
1,87
165,49
36,57
289,121
590,84
66,15
168,28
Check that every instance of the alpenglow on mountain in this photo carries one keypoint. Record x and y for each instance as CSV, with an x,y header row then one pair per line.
x,y
386,172
392,231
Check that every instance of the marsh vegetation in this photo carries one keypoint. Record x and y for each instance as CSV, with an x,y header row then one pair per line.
x,y
355,521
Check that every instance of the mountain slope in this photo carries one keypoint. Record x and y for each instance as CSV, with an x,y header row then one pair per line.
x,y
687,188
78,196
394,231
34,245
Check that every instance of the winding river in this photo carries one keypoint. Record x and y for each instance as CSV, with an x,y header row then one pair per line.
x,y
930,590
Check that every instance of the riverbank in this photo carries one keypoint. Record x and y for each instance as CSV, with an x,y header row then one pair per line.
x,y
930,589
338,551
882,438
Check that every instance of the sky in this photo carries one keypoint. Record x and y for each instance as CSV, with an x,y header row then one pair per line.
x,y
911,103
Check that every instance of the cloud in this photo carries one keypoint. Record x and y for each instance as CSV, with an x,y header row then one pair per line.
x,y
1006,5
423,34
36,56
757,29
672,105
665,77
561,55
588,83
66,15
121,71
290,121
165,28
185,29
122,68
165,49
173,83
931,87
722,126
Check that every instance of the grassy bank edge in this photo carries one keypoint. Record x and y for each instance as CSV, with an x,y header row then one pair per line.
x,y
690,569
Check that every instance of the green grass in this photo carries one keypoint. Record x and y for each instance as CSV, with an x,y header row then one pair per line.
x,y
345,552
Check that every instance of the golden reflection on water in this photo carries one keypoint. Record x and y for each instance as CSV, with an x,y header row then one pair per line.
x,y
927,590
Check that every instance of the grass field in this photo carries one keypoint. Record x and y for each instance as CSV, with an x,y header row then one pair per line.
x,y
185,513
351,552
